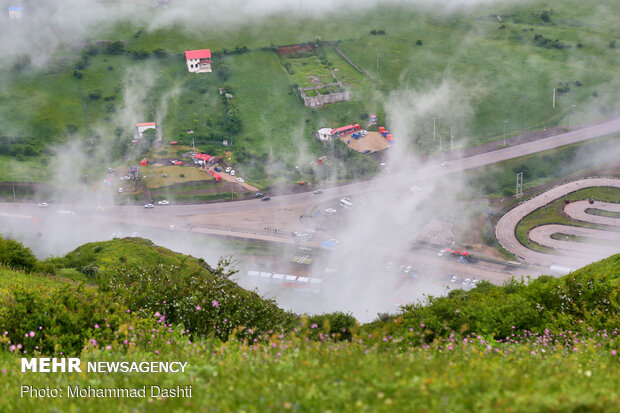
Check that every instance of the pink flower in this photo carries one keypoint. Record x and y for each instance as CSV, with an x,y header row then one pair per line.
x,y
198,308
96,326
215,303
32,334
314,325
613,352
40,327
12,348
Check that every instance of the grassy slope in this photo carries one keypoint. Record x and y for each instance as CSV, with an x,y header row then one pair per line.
x,y
378,370
508,78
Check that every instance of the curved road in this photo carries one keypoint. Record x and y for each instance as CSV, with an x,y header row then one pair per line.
x,y
505,230
578,210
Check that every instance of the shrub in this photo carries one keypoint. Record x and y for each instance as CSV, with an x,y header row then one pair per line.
x,y
13,254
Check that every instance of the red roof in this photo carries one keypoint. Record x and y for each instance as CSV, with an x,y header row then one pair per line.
x,y
198,54
145,124
203,156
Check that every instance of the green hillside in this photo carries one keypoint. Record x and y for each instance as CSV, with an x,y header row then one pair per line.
x,y
550,344
477,70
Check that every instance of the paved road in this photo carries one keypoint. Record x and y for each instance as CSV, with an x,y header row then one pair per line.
x,y
577,211
256,219
505,230
601,243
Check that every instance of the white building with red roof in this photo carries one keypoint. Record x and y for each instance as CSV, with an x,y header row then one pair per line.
x,y
198,61
141,127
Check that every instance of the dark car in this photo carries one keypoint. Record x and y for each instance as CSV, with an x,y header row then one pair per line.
x,y
318,191
266,199
218,169
259,195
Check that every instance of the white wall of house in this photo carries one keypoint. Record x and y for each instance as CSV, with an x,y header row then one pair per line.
x,y
194,66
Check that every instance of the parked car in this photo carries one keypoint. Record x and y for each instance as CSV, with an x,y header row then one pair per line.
x,y
240,180
318,191
120,190
43,205
259,195
330,210
232,172
466,282
149,206
163,202
228,169
266,198
454,279
218,169
445,164
171,227
441,253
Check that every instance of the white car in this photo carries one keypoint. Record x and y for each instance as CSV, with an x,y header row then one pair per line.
x,y
171,227
441,253
120,190
43,205
445,164
466,282
163,202
330,210
232,172
228,169
149,206
454,279
240,180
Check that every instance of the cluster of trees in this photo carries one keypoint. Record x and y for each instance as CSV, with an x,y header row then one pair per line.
x,y
16,147
542,41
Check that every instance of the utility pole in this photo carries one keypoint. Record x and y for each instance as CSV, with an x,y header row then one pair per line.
x,y
519,191
434,130
553,98
13,182
377,60
505,122
451,138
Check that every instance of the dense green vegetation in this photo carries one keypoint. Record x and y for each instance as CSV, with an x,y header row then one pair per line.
x,y
545,344
486,65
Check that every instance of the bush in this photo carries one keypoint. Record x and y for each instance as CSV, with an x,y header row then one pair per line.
x,y
339,326
14,255
418,42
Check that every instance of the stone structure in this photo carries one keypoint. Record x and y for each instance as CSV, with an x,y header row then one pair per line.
x,y
315,96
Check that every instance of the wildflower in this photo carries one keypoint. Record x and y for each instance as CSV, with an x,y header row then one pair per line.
x,y
314,325
108,347
613,352
12,348
198,308
422,325
96,326
40,327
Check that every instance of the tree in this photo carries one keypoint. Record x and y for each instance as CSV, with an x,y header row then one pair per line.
x,y
150,134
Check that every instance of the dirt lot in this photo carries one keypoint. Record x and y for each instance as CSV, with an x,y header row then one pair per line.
x,y
372,142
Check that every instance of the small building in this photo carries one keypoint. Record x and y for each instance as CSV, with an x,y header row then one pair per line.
x,y
141,127
198,61
15,13
324,134
144,162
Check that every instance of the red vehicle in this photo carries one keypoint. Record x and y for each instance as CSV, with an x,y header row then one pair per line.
x,y
345,130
